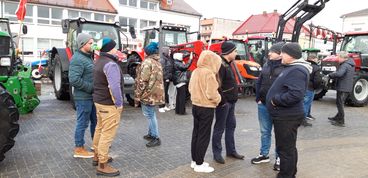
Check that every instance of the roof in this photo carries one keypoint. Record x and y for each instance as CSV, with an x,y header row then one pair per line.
x,y
363,12
95,5
265,23
180,6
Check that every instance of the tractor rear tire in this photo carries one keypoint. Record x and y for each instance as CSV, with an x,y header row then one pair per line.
x,y
359,96
9,126
60,81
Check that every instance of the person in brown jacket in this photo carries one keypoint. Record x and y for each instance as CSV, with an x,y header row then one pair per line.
x,y
203,87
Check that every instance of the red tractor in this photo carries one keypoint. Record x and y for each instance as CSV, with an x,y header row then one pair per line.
x,y
356,43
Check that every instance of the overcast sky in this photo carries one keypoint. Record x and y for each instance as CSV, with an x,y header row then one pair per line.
x,y
242,9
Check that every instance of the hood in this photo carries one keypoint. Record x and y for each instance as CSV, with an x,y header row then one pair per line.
x,y
209,60
350,62
304,63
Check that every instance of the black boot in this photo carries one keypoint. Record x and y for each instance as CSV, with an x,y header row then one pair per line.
x,y
305,123
219,159
154,142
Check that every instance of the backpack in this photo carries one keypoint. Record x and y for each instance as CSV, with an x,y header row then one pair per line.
x,y
317,79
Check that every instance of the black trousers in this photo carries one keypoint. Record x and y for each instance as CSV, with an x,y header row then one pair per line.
x,y
181,97
286,135
201,135
166,90
340,102
225,121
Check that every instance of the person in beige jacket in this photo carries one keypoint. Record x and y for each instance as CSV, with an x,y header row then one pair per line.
x,y
203,87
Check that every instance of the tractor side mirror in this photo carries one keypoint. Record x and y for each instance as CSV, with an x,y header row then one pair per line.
x,y
24,29
198,36
65,25
152,34
325,41
132,32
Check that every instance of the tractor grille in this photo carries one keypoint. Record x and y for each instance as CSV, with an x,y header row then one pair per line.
x,y
254,73
4,71
4,46
329,67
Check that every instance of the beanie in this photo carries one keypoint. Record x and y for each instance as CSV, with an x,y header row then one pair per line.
x,y
276,48
82,39
151,48
106,44
292,49
227,47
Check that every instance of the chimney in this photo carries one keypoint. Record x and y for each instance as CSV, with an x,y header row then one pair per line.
x,y
264,12
275,11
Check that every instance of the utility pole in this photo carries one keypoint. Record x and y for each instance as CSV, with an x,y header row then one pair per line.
x,y
2,9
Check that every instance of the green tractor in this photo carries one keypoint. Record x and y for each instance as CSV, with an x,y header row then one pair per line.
x,y
17,91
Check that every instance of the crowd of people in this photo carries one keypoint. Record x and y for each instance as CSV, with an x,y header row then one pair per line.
x,y
284,95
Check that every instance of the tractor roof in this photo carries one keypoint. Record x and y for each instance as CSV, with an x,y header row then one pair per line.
x,y
2,34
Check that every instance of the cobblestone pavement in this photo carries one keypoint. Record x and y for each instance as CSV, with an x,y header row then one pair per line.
x,y
44,145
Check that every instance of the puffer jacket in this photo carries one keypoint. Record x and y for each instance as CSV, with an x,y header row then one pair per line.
x,y
345,76
180,70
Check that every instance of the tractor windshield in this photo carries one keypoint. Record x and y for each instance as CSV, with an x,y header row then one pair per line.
x,y
99,31
240,47
173,38
355,44
4,27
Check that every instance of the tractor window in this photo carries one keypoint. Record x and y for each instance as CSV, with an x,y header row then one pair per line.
x,y
4,27
173,38
99,31
240,46
148,37
356,44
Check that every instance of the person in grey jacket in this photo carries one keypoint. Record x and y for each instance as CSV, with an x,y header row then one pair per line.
x,y
81,78
344,85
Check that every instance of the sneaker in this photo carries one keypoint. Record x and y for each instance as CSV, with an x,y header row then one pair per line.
x,y
148,137
166,108
161,110
154,142
276,166
338,123
171,107
203,168
193,163
260,159
310,117
81,152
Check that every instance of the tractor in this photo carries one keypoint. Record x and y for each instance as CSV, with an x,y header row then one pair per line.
x,y
59,58
17,91
356,43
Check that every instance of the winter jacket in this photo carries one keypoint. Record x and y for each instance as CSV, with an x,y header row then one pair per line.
x,y
270,71
203,85
81,75
167,64
228,87
180,71
149,86
345,76
285,98
315,78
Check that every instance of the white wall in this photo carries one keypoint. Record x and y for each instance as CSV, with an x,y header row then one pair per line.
x,y
355,24
224,27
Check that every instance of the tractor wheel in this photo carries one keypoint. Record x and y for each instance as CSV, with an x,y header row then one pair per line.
x,y
359,96
320,94
9,126
60,81
36,74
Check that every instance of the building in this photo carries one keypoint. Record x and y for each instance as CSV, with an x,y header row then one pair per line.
x,y
355,21
43,18
218,28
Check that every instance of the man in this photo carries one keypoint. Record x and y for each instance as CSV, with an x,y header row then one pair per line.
x,y
225,111
344,85
81,78
315,81
284,102
270,72
108,98
167,64
149,91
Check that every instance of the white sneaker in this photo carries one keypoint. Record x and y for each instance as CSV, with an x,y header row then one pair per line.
x,y
203,168
171,107
193,163
166,108
161,110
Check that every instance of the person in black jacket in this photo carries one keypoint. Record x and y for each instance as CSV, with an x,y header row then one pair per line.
x,y
284,102
315,80
167,64
270,71
225,111
344,85
180,77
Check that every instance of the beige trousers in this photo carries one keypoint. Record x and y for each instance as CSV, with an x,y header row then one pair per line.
x,y
108,119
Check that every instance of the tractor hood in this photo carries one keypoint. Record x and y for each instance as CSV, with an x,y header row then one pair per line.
x,y
331,58
250,63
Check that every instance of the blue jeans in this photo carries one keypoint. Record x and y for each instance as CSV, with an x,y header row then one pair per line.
x,y
86,112
308,99
150,113
265,125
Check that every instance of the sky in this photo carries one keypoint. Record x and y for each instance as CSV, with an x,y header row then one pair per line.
x,y
241,9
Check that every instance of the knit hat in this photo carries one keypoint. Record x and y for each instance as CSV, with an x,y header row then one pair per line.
x,y
151,48
276,48
106,44
227,47
292,49
82,39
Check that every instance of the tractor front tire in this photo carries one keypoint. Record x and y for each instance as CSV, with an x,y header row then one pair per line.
x,y
9,126
359,96
60,81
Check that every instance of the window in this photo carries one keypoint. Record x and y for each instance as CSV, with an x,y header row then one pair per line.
x,y
110,18
153,6
49,15
144,4
144,23
149,5
125,21
123,2
86,15
99,17
73,14
43,15
133,3
152,23
10,8
56,16
43,43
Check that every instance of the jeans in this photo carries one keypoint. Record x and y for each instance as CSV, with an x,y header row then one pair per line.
x,y
308,99
150,113
86,112
265,125
225,119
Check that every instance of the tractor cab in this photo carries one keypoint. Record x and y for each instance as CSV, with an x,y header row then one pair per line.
x,y
7,52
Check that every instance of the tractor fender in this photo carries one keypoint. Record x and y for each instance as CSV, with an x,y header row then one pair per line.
x,y
63,57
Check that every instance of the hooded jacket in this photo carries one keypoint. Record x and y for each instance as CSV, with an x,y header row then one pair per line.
x,y
203,85
345,76
285,98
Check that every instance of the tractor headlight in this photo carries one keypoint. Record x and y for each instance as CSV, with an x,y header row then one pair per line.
x,y
5,61
253,68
